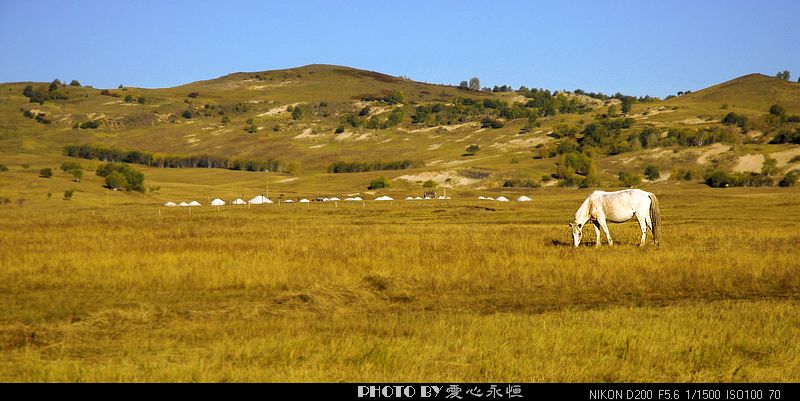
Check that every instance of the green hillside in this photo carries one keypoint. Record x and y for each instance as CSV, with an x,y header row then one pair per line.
x,y
310,117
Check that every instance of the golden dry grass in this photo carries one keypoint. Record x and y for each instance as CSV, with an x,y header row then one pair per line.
x,y
402,291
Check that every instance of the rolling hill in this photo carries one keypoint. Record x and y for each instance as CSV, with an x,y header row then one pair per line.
x,y
311,117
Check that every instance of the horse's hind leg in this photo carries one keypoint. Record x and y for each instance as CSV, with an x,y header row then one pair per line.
x,y
642,226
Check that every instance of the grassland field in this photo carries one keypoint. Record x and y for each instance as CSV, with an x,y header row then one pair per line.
x,y
457,290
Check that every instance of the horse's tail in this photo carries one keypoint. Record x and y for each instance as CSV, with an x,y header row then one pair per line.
x,y
655,217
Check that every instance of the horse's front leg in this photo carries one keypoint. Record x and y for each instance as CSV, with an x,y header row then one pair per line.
x,y
602,221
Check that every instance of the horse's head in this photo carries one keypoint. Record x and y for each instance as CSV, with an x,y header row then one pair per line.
x,y
577,232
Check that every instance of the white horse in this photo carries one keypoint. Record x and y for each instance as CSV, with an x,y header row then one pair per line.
x,y
617,207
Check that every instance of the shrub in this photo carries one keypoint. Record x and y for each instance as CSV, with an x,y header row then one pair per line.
x,y
735,119
651,173
77,174
186,114
46,172
297,113
429,184
339,129
472,149
68,194
378,183
141,99
3,167
128,98
364,111
520,183
89,125
683,175
75,83
777,110
193,95
789,179
786,136
629,180
225,119
67,166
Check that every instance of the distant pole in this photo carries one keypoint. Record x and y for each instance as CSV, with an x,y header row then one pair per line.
x,y
267,170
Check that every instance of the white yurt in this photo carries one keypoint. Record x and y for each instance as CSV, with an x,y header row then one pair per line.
x,y
489,198
383,198
523,198
417,198
501,199
194,203
441,197
183,204
304,200
170,204
334,199
409,198
259,200
482,197
357,198
288,201
238,201
218,202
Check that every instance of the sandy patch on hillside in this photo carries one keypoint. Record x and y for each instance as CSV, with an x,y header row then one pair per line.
x,y
440,178
440,128
435,162
388,140
784,156
112,102
274,85
460,162
712,151
279,110
307,133
521,143
695,121
749,163
434,146
287,180
317,146
363,136
343,136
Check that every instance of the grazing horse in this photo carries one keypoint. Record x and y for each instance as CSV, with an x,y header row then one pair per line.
x,y
617,207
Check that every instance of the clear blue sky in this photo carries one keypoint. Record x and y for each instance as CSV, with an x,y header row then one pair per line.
x,y
635,47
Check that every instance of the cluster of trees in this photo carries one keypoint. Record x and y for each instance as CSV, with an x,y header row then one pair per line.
x,y
99,152
360,167
576,169
785,75
394,118
121,176
395,97
736,119
39,117
787,136
550,104
467,109
618,96
473,84
73,169
129,99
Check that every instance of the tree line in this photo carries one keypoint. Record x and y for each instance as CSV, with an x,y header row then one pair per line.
x,y
106,154
361,167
